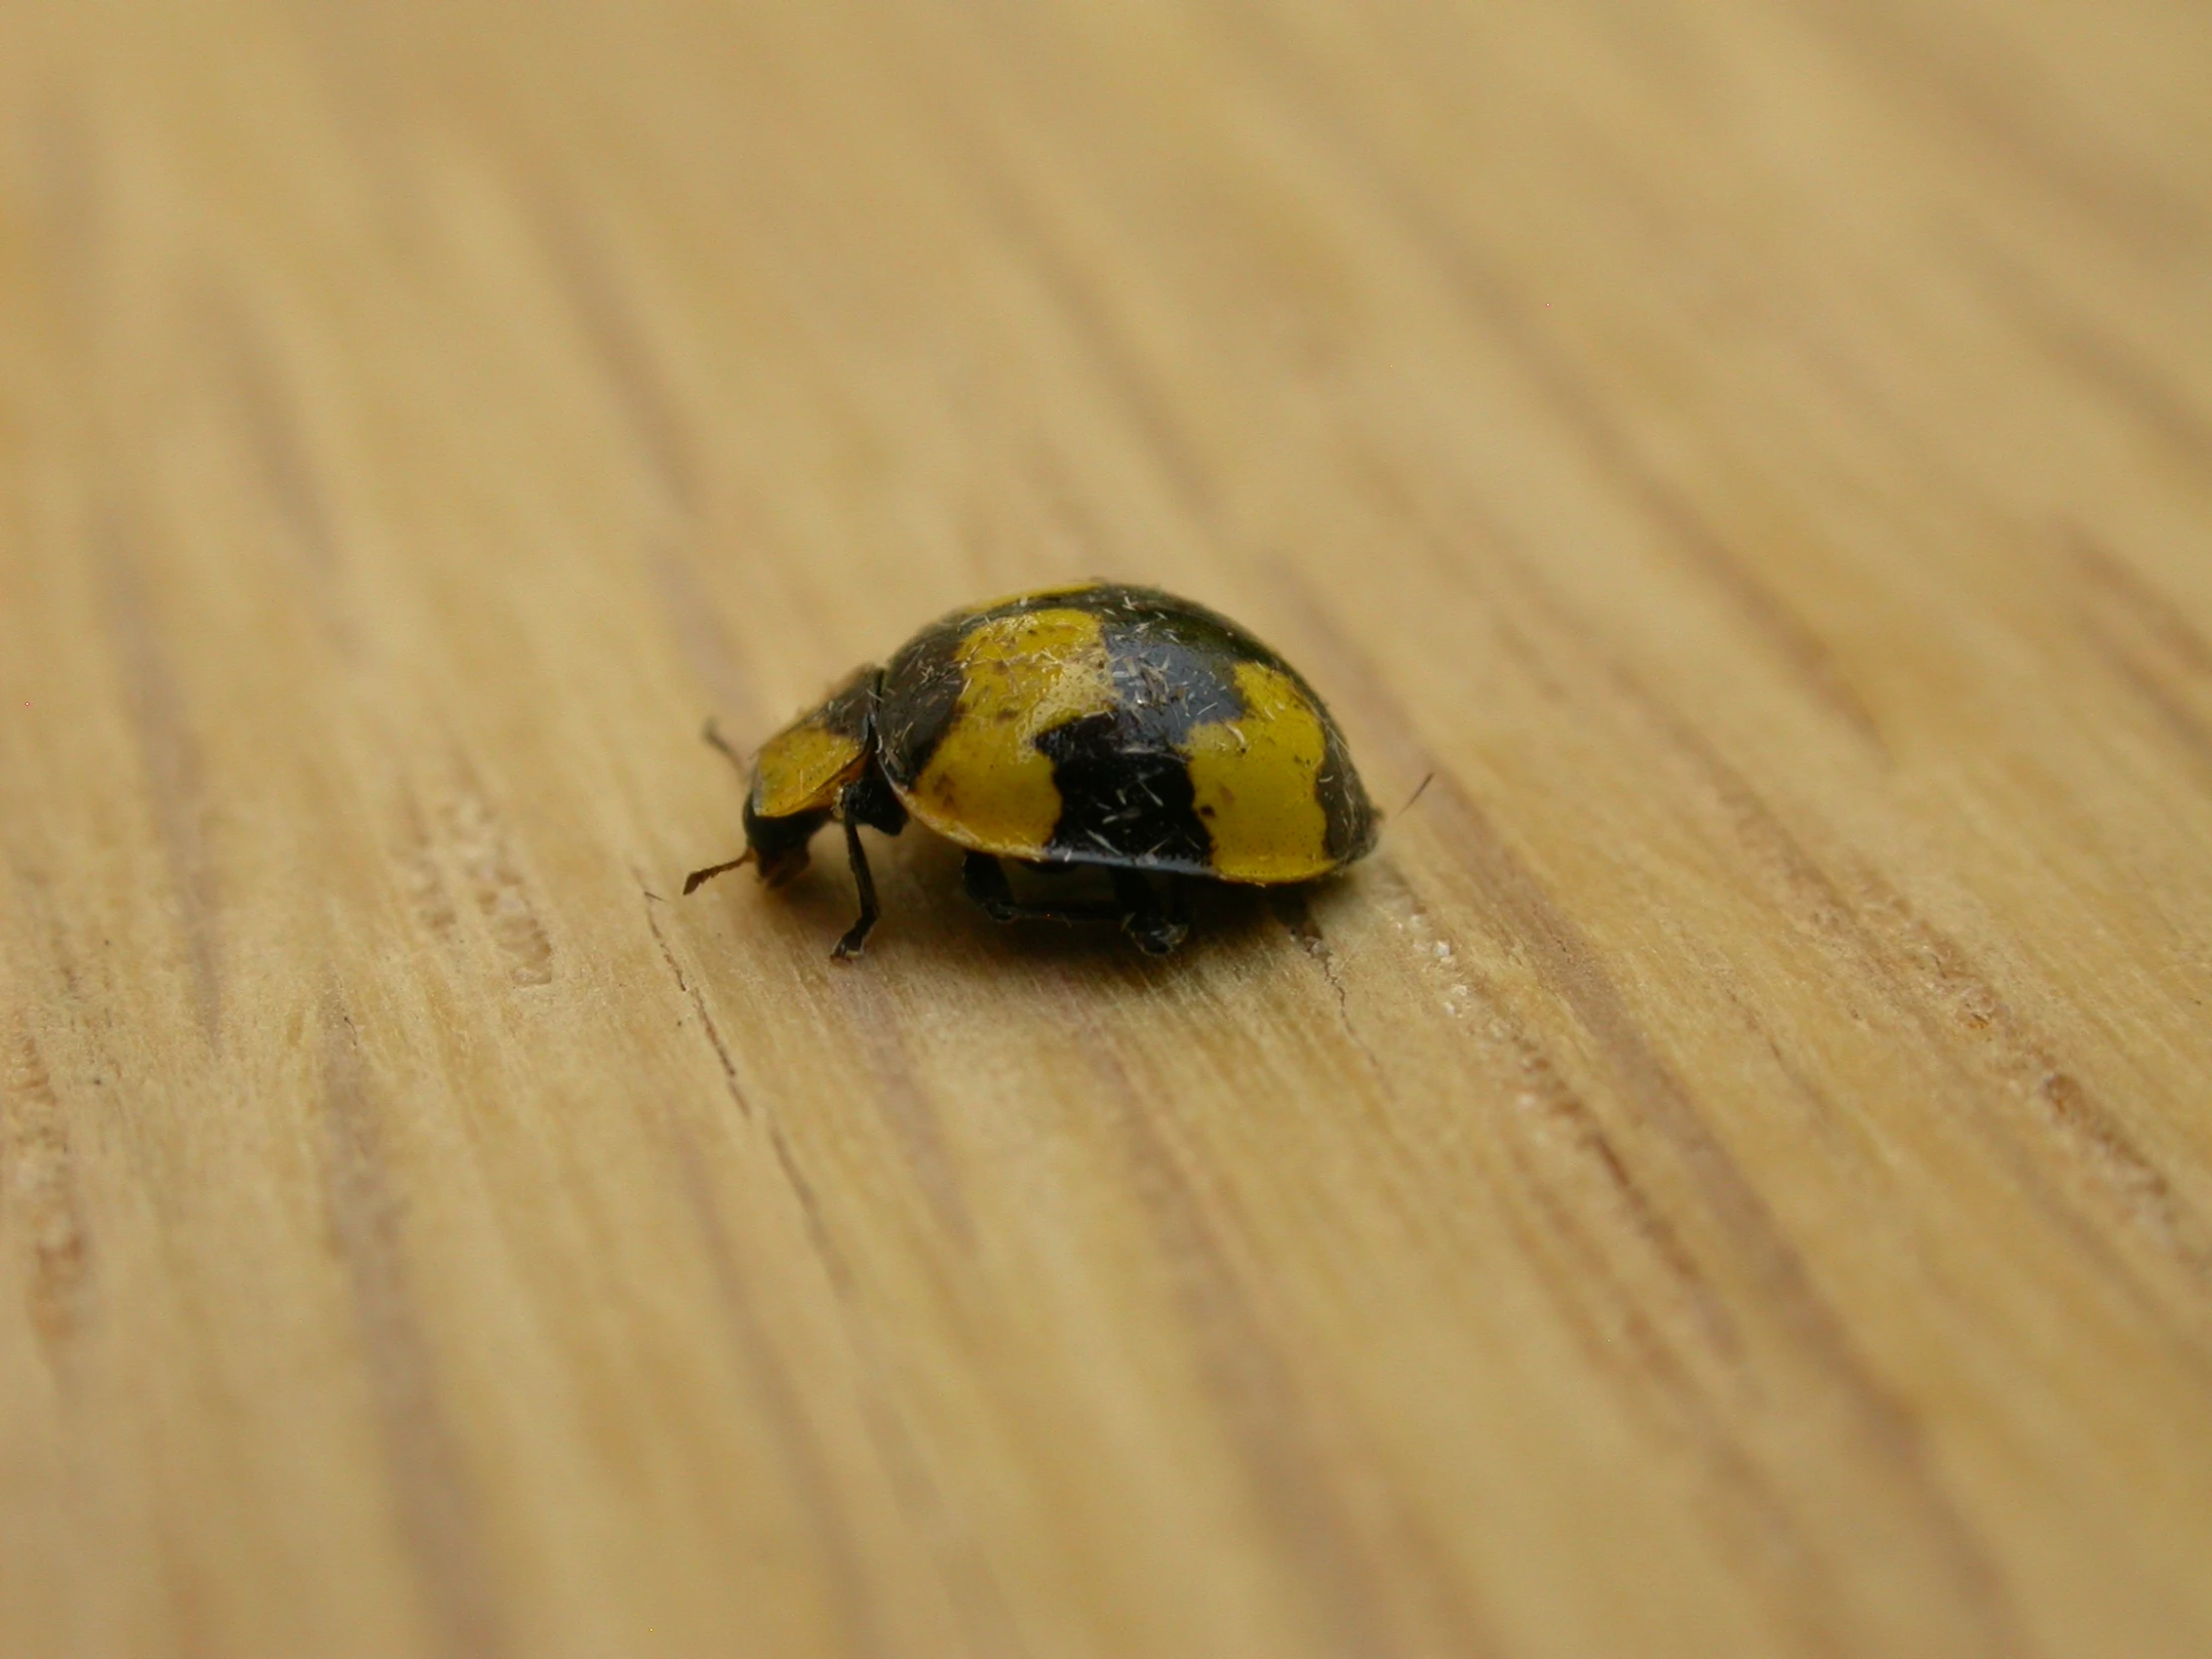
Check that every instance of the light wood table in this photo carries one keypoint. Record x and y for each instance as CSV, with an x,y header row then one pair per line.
x,y
1732,1176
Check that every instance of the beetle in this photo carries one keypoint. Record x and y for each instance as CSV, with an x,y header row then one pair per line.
x,y
1098,726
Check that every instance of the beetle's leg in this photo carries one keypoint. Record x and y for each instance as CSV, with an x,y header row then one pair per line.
x,y
855,937
1157,928
985,880
712,735
692,880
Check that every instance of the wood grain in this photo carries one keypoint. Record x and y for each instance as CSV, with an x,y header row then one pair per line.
x,y
1733,1175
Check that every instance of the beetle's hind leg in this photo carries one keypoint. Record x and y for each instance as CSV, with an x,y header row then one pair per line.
x,y
1156,925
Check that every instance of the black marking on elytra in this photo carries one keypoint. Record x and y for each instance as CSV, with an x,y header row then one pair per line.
x,y
1349,816
1119,802
917,697
850,709
1169,674
1174,667
1205,632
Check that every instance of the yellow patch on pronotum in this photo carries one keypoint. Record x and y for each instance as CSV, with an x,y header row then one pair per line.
x,y
802,769
987,786
1255,780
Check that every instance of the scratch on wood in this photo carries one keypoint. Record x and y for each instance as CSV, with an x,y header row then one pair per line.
x,y
1295,912
438,1511
170,754
970,1582
730,1083
38,1180
797,1443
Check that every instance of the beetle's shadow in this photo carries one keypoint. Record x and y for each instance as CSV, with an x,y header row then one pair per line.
x,y
926,909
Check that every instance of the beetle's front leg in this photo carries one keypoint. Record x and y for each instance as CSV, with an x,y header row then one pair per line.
x,y
855,937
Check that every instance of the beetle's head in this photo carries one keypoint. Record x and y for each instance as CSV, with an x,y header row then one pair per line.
x,y
798,777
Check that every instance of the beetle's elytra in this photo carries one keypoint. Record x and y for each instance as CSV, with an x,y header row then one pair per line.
x,y
1101,725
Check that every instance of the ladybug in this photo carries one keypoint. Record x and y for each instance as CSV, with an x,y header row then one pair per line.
x,y
1097,726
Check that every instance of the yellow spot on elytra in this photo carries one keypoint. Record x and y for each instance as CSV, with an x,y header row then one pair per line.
x,y
1254,782
987,787
802,769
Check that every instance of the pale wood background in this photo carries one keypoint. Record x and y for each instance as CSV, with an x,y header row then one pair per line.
x,y
1732,1176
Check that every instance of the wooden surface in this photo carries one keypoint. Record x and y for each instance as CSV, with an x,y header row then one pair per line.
x,y
1732,1176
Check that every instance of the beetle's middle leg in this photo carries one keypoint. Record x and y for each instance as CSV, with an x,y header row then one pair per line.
x,y
985,880
1156,925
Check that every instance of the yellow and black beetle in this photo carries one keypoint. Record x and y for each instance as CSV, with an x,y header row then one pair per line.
x,y
1099,726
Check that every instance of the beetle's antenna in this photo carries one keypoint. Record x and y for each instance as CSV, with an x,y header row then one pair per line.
x,y
712,735
712,871
1400,812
